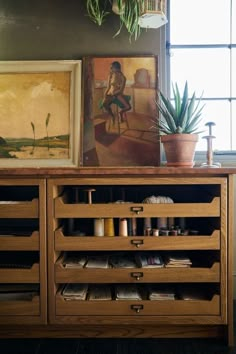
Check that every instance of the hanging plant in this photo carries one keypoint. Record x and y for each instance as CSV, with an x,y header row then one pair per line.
x,y
96,10
129,12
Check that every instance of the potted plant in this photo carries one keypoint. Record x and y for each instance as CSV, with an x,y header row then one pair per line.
x,y
178,126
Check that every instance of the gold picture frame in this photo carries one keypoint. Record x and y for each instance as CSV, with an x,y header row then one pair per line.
x,y
40,110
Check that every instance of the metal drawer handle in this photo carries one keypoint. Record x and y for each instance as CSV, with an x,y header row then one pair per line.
x,y
136,308
136,275
137,243
136,210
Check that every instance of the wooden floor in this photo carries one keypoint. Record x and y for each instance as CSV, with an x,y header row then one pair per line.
x,y
113,346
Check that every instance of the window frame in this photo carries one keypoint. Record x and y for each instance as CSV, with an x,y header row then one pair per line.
x,y
225,157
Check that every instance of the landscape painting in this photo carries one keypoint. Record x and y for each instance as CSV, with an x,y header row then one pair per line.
x,y
120,111
37,117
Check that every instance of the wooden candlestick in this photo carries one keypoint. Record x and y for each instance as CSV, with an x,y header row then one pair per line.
x,y
209,155
90,194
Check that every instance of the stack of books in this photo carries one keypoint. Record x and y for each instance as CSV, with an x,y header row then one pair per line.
x,y
75,291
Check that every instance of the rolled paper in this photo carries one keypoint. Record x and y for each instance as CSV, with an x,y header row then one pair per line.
x,y
123,227
134,226
147,223
171,222
162,223
99,227
109,227
182,223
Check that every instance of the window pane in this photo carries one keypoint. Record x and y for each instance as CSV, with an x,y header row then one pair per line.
x,y
207,70
234,72
219,113
234,125
234,21
199,22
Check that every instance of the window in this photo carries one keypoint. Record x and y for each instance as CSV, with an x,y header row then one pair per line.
x,y
201,48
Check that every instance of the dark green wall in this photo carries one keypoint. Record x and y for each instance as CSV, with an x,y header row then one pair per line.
x,y
60,29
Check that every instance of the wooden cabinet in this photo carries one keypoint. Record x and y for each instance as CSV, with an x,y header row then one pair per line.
x,y
46,216
200,203
23,280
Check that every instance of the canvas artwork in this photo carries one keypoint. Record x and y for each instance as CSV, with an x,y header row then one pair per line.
x,y
119,111
37,113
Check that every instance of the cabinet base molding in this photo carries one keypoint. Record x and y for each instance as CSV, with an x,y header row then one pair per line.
x,y
56,331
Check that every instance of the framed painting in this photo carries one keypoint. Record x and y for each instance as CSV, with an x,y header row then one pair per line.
x,y
119,111
40,110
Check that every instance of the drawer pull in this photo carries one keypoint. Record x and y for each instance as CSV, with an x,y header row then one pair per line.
x,y
136,308
136,275
136,210
137,243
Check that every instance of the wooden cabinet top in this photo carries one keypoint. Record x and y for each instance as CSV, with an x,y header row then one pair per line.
x,y
116,171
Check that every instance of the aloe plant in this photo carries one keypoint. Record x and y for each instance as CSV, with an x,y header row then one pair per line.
x,y
183,116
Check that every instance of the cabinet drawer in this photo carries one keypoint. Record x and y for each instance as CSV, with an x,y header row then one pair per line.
x,y
20,243
19,275
20,308
137,275
136,243
138,308
130,210
19,209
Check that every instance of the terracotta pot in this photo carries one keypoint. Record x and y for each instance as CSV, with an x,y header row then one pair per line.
x,y
179,149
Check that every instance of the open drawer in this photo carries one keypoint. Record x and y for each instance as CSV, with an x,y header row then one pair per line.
x,y
19,209
136,243
138,308
136,275
20,242
63,209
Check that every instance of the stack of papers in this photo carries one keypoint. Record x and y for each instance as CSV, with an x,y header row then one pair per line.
x,y
149,260
73,261
122,261
99,292
75,291
177,260
100,261
127,292
18,292
160,293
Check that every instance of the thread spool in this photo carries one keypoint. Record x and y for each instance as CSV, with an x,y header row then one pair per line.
x,y
155,232
123,227
109,227
99,227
